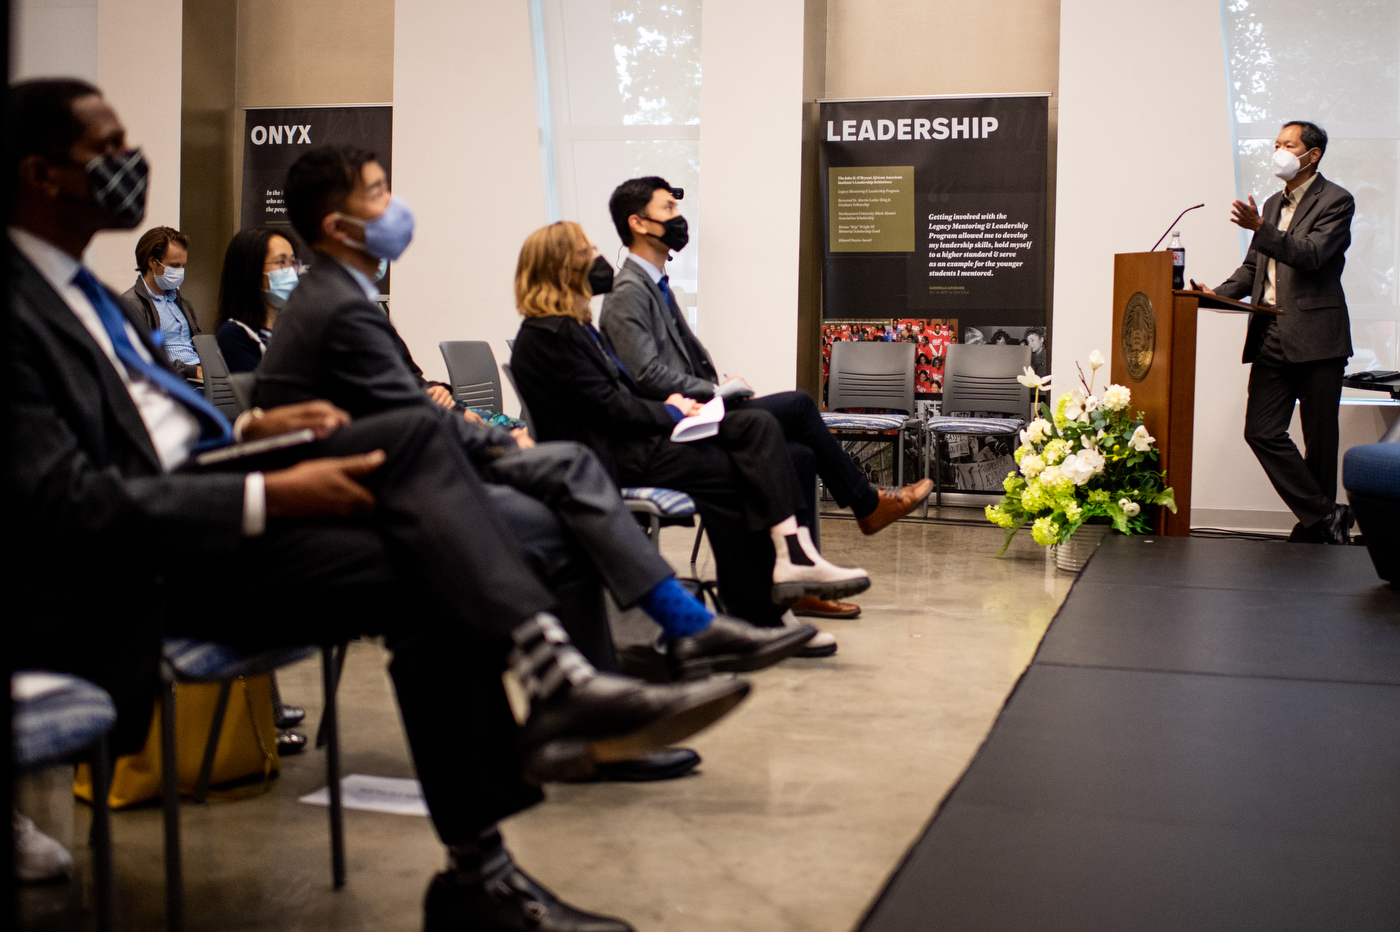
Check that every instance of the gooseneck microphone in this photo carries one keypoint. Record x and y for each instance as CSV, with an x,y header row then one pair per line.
x,y
1172,226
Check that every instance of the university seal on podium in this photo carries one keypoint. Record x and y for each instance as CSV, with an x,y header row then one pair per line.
x,y
1139,336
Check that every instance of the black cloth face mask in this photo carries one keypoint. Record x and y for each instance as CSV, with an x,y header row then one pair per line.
x,y
677,233
600,276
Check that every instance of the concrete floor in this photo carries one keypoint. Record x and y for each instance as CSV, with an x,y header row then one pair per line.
x,y
809,794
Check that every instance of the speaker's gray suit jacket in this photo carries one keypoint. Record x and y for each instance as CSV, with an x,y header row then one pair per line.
x,y
1310,254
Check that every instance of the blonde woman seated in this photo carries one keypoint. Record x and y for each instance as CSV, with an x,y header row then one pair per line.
x,y
742,480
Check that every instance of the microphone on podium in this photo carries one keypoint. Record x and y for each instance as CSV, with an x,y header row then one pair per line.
x,y
1172,225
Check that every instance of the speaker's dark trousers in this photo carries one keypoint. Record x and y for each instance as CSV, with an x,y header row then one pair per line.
x,y
1307,484
743,483
438,571
815,452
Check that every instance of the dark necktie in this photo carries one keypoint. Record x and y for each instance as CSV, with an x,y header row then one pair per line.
x,y
665,285
607,350
214,428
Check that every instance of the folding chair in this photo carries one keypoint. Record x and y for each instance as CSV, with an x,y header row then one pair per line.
x,y
186,660
241,384
980,378
873,375
217,390
471,369
57,718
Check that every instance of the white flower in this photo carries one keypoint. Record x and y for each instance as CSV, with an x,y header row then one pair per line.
x,y
1087,442
1141,440
1091,404
1036,431
1082,466
1031,380
1130,508
1095,360
1074,408
1051,475
1031,465
1116,397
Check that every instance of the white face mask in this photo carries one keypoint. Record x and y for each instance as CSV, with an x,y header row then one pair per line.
x,y
170,279
1286,164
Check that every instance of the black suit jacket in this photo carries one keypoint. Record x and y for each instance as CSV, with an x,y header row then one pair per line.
x,y
90,511
575,392
334,343
1310,256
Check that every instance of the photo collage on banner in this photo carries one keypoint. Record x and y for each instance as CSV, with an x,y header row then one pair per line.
x,y
935,213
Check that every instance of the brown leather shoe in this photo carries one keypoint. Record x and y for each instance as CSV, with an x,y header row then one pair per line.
x,y
895,505
813,607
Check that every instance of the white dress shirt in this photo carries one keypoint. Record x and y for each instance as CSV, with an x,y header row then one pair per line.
x,y
172,428
652,271
1285,217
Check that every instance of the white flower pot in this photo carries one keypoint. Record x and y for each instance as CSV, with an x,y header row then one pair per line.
x,y
1075,552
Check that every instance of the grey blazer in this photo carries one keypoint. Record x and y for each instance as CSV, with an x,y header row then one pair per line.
x,y
650,342
1310,256
137,300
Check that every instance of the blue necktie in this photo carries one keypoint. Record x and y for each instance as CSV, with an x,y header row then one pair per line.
x,y
214,428
665,285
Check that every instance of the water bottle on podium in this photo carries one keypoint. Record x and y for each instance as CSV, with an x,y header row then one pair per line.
x,y
1178,260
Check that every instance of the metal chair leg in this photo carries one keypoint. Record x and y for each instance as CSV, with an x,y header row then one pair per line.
x,y
330,675
816,518
924,447
211,744
339,654
899,460
695,550
938,469
170,785
101,839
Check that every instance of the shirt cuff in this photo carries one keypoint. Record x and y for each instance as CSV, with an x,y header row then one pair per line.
x,y
254,505
241,422
676,416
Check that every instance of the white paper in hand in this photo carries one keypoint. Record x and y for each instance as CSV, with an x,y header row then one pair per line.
x,y
700,426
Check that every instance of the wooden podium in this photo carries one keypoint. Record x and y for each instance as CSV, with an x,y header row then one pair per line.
x,y
1154,354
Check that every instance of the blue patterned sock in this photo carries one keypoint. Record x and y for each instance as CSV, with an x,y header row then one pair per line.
x,y
678,612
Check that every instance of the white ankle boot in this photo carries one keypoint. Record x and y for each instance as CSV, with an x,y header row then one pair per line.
x,y
801,570
37,856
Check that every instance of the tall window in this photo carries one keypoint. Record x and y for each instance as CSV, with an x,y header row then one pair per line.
x,y
1336,64
618,93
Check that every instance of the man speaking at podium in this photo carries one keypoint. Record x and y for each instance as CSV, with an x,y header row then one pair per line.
x,y
1295,263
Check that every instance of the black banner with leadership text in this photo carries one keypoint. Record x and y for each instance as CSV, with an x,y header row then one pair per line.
x,y
935,208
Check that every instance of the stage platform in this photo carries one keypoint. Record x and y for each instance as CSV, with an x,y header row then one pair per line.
x,y
1208,738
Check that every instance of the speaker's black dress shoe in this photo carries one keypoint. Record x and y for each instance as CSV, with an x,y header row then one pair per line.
x,y
512,901
608,719
733,646
291,716
290,742
665,764
1336,527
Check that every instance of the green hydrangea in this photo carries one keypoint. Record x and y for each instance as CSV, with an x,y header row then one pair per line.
x,y
1044,532
1012,482
1034,498
1073,511
999,517
1055,451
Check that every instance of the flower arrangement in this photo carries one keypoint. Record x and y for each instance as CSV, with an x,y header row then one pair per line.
x,y
1089,459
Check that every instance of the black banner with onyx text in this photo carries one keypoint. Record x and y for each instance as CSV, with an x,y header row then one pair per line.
x,y
275,137
935,208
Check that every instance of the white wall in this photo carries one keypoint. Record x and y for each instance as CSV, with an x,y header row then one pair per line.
x,y
750,157
1144,132
131,49
467,160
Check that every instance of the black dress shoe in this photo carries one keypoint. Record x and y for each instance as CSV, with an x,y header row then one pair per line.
x,y
732,646
1336,527
608,719
290,742
291,717
509,902
665,764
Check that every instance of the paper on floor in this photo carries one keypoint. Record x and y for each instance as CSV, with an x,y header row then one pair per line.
x,y
375,794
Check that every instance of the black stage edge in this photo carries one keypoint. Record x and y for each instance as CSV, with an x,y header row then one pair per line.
x,y
1208,738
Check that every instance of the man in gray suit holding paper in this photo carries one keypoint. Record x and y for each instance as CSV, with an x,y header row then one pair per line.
x,y
1295,262
647,328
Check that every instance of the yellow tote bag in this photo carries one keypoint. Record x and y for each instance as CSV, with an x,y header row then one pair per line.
x,y
247,746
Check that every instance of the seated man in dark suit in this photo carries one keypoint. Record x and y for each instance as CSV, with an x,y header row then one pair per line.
x,y
387,530
334,342
642,318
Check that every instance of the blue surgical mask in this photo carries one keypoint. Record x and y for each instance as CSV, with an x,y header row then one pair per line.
x,y
280,283
170,279
383,270
388,235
